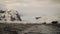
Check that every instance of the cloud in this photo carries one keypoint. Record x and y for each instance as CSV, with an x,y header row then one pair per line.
x,y
3,7
56,1
33,7
27,3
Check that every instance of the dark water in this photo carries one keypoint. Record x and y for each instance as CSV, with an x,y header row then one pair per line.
x,y
44,29
29,28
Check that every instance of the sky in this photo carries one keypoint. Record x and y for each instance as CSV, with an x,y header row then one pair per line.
x,y
33,8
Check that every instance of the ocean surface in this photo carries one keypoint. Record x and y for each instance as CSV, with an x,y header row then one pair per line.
x,y
30,28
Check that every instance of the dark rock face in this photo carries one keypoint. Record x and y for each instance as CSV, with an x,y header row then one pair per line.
x,y
2,16
1,11
12,19
19,17
37,17
54,22
44,23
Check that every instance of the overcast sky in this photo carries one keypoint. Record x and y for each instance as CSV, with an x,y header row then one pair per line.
x,y
33,8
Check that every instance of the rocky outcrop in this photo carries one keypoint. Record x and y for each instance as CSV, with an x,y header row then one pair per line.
x,y
54,22
10,15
